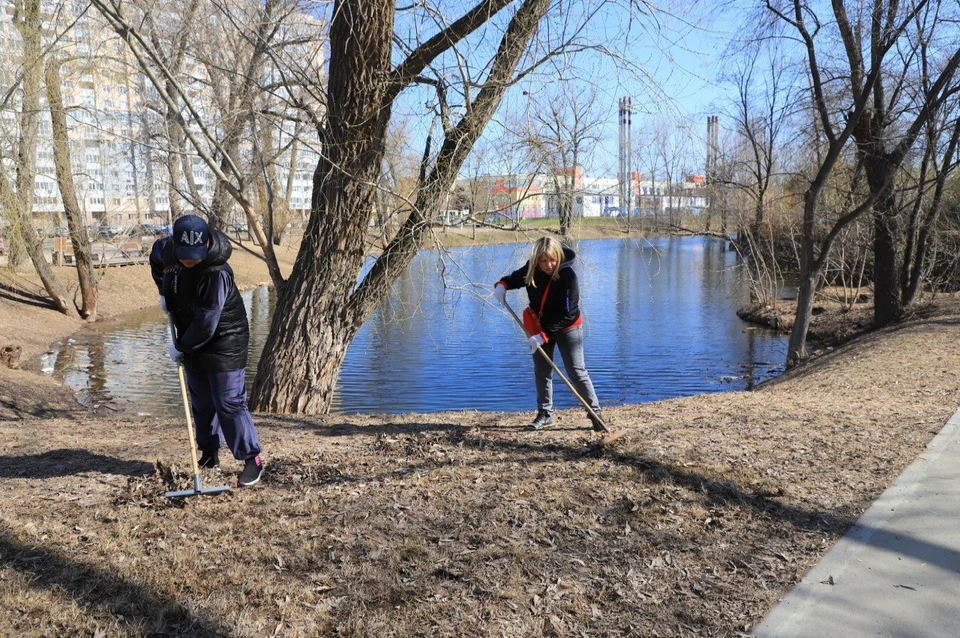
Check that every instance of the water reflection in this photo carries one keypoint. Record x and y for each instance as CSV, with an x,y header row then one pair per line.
x,y
659,322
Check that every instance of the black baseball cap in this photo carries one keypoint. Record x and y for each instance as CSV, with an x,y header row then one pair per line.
x,y
190,237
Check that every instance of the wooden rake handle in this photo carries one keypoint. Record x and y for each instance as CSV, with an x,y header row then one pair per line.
x,y
557,370
186,405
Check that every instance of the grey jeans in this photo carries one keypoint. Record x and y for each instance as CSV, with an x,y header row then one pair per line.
x,y
571,350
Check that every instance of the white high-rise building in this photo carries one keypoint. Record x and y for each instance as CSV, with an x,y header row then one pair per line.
x,y
116,120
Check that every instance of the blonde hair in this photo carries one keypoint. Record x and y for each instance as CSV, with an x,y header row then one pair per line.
x,y
543,246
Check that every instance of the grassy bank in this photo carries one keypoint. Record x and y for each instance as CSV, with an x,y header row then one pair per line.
x,y
582,228
465,524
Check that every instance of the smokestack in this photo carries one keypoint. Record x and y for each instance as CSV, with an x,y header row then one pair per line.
x,y
628,172
713,146
626,155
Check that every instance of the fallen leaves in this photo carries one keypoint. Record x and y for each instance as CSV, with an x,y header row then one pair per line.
x,y
450,524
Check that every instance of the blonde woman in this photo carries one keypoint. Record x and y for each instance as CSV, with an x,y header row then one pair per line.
x,y
554,295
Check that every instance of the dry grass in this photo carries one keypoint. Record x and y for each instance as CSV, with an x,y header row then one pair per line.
x,y
458,524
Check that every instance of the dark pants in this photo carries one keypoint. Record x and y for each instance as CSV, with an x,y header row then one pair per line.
x,y
220,408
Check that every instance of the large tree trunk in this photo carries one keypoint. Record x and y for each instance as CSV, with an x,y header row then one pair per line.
x,y
809,276
320,308
312,325
887,305
76,221
886,280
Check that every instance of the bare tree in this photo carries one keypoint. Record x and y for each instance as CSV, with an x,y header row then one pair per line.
x,y
648,159
176,23
745,177
76,219
234,60
669,149
761,113
930,201
218,130
562,127
473,189
321,308
896,115
17,196
856,85
396,180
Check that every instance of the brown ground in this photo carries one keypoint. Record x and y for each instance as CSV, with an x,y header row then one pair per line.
x,y
694,523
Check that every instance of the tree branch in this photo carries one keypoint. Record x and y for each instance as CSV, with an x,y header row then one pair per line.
x,y
420,57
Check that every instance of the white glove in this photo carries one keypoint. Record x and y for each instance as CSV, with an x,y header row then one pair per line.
x,y
500,293
535,342
163,303
174,354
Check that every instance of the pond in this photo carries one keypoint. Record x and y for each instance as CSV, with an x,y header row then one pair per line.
x,y
659,320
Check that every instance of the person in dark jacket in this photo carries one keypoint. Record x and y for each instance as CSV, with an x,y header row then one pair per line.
x,y
197,288
554,295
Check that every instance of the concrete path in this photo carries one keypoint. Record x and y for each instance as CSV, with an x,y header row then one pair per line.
x,y
897,571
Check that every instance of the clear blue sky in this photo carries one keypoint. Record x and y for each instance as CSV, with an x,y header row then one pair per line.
x,y
669,64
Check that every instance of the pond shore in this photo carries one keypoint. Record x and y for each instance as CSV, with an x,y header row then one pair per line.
x,y
696,521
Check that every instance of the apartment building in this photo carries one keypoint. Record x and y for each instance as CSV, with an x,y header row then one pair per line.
x,y
116,125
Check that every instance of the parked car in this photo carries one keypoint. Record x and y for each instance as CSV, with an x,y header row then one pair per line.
x,y
156,229
109,232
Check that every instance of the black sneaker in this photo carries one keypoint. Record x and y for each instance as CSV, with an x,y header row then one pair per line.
x,y
543,420
210,459
252,471
597,423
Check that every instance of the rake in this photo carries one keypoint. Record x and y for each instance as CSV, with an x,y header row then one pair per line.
x,y
557,370
197,488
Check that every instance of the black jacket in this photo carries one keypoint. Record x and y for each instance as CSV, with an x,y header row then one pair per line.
x,y
562,307
212,328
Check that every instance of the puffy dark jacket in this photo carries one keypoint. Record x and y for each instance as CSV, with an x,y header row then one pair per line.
x,y
212,328
562,307
161,259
